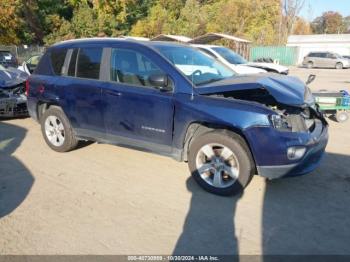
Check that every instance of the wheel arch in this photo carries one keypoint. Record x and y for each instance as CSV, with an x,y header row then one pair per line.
x,y
196,129
42,106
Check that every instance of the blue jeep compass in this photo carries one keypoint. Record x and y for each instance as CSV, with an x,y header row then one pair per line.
x,y
174,100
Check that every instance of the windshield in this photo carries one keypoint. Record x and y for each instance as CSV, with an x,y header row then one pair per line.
x,y
198,67
230,56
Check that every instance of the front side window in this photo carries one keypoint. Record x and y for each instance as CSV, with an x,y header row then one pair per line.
x,y
198,67
131,67
89,62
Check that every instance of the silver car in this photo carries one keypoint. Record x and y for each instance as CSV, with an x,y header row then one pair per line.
x,y
325,60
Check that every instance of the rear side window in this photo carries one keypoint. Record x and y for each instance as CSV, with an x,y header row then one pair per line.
x,y
89,62
57,60
43,68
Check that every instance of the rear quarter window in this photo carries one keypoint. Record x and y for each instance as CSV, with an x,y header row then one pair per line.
x,y
43,67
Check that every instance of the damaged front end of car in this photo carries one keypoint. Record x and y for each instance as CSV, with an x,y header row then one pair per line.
x,y
13,101
295,140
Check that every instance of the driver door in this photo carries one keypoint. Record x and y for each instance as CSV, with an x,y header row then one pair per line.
x,y
136,113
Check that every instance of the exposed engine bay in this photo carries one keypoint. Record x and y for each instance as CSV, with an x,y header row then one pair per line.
x,y
13,101
288,118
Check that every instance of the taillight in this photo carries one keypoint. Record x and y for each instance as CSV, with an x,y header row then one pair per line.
x,y
27,88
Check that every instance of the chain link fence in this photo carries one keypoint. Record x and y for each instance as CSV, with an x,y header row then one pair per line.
x,y
23,52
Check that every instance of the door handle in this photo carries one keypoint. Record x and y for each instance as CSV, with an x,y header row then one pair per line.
x,y
113,93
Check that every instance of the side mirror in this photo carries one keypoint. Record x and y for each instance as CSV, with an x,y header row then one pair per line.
x,y
310,79
161,81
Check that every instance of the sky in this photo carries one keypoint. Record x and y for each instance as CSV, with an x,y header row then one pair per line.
x,y
315,8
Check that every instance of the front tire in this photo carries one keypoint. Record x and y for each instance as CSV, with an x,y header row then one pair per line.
x,y
57,131
221,163
339,66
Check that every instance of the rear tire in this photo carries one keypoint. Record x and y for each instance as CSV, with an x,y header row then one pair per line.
x,y
339,66
310,65
57,131
221,162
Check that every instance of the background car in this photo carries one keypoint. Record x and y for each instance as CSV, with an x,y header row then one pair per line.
x,y
13,101
229,58
268,65
325,60
8,59
30,65
238,63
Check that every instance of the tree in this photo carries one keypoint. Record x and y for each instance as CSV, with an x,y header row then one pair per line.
x,y
301,27
191,21
329,23
334,23
346,22
161,19
83,24
10,23
256,20
289,16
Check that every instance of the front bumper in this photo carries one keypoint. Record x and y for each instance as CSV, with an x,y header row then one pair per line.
x,y
277,165
13,107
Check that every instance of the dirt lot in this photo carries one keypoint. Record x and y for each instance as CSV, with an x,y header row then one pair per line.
x,y
103,199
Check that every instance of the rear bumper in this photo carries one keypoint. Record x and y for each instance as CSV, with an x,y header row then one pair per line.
x,y
307,164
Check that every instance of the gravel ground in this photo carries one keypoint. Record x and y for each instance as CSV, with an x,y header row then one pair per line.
x,y
103,199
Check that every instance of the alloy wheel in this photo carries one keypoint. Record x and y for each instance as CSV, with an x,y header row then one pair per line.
x,y
217,165
54,131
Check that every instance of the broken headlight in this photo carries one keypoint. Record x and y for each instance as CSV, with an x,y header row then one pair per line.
x,y
279,122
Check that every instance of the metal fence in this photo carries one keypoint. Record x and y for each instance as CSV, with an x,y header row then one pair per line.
x,y
23,52
282,54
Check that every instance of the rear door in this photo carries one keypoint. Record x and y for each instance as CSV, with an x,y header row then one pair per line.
x,y
80,90
135,112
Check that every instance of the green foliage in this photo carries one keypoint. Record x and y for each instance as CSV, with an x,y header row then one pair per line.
x,y
9,22
261,21
83,24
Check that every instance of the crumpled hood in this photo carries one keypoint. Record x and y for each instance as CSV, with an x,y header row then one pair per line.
x,y
286,90
10,77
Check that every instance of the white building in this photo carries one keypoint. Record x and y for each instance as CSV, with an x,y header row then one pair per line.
x,y
339,44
